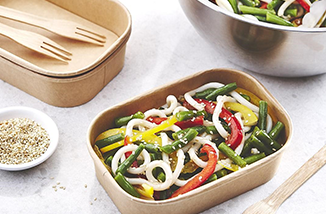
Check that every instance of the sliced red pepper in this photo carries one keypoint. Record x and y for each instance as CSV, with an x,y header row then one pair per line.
x,y
201,177
236,136
304,4
263,5
197,121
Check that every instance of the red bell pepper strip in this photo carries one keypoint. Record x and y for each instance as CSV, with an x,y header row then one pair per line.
x,y
263,5
304,4
197,121
201,177
236,136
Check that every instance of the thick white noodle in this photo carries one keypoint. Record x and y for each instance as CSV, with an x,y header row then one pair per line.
x,y
179,109
153,113
192,102
225,5
152,181
217,123
243,101
269,123
168,175
172,102
137,122
120,155
283,7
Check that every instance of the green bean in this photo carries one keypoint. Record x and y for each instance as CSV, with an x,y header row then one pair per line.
x,y
253,158
211,130
262,114
177,144
202,113
153,148
247,145
161,177
261,18
211,178
272,18
255,11
256,143
108,160
230,153
221,91
203,94
273,4
221,173
184,115
179,134
125,185
127,163
124,120
269,142
109,140
234,5
276,130
291,12
246,96
250,3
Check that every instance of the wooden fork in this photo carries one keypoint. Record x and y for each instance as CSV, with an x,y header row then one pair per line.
x,y
272,203
63,28
36,42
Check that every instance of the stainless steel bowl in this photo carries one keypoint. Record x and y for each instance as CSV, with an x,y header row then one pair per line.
x,y
257,46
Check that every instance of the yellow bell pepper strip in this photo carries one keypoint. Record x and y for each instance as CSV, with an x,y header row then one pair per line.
x,y
249,116
202,176
255,100
165,124
145,191
152,139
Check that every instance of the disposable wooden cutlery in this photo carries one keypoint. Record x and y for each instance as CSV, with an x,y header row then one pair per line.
x,y
272,203
36,42
63,28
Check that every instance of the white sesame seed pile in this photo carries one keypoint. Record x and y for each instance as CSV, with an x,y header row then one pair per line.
x,y
22,140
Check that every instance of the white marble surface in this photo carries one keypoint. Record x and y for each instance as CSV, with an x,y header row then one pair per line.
x,y
163,47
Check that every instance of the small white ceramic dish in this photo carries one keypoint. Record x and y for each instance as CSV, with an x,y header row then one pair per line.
x,y
41,118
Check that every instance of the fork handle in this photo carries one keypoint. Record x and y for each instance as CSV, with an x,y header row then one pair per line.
x,y
298,178
23,17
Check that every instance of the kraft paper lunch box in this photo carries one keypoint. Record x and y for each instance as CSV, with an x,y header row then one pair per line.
x,y
210,194
92,66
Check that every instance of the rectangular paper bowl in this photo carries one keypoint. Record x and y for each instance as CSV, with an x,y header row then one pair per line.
x,y
212,193
92,66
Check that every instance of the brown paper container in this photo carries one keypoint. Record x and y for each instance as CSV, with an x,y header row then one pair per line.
x,y
212,193
91,67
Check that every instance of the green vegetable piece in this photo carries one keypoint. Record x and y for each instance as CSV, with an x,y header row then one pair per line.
x,y
179,134
262,115
269,142
125,185
221,173
122,121
247,145
184,115
161,177
108,160
253,158
153,148
273,4
272,18
291,12
250,3
276,130
203,94
230,153
177,144
234,5
109,140
261,18
246,96
211,178
255,11
256,143
221,91
127,163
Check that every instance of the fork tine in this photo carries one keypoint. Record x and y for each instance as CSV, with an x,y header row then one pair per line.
x,y
55,51
86,37
45,50
83,28
57,46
